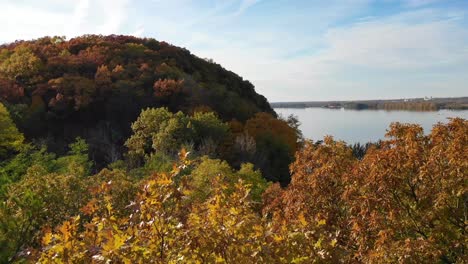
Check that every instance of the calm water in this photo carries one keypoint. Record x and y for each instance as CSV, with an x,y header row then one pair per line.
x,y
361,126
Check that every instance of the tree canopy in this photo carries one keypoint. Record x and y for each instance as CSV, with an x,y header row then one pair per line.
x,y
94,86
10,138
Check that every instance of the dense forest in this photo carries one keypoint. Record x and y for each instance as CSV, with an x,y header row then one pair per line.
x,y
124,150
95,86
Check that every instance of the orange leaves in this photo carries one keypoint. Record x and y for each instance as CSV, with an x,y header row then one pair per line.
x,y
264,124
103,77
90,208
66,231
302,219
401,202
167,87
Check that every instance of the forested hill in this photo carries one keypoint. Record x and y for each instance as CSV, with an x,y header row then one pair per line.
x,y
95,86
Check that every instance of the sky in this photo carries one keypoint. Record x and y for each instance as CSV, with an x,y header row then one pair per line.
x,y
291,50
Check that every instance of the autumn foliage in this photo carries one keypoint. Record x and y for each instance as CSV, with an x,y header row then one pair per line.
x,y
61,89
404,202
184,184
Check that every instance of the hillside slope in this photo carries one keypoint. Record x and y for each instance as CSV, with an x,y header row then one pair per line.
x,y
95,86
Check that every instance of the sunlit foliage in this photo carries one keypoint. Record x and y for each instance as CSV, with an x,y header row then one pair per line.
x,y
10,138
405,201
159,130
21,62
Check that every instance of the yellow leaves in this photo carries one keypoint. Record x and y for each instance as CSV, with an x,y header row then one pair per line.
x,y
302,219
300,260
164,179
114,242
278,238
321,222
234,211
100,226
65,229
47,238
318,244
220,259
258,231
109,208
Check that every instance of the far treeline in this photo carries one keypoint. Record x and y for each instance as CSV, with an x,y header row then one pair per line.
x,y
416,104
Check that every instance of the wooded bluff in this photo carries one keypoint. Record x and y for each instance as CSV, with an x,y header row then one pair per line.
x,y
95,86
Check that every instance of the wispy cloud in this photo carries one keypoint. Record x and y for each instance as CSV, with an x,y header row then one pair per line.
x,y
244,5
418,3
27,19
388,57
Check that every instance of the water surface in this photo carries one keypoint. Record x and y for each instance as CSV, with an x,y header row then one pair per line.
x,y
361,126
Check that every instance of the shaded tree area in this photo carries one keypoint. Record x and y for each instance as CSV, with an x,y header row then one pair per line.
x,y
95,86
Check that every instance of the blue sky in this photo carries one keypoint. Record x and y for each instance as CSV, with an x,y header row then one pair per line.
x,y
290,50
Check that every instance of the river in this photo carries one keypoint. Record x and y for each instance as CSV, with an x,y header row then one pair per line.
x,y
361,126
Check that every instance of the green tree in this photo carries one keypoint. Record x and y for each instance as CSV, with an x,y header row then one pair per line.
x,y
148,124
39,199
77,161
14,169
11,139
159,130
21,63
207,126
203,175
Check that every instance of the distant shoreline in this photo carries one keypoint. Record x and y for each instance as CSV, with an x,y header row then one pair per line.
x,y
416,104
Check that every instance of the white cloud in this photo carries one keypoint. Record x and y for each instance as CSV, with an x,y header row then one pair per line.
x,y
26,20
